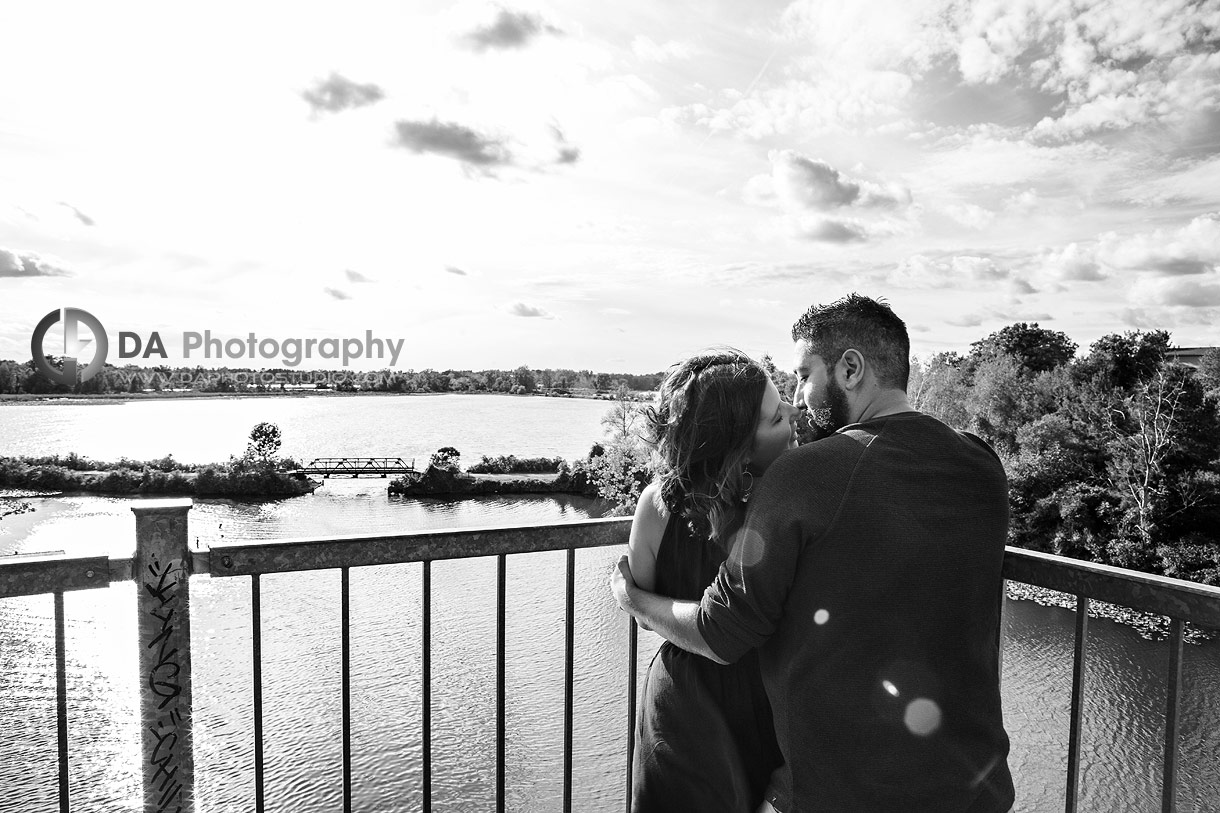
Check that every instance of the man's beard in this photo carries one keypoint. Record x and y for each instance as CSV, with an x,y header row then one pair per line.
x,y
836,414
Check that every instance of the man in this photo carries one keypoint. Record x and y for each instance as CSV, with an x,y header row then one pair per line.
x,y
868,575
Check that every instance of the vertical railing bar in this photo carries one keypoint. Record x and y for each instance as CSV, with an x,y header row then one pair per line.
x,y
1077,711
346,663
1003,629
569,640
632,654
1169,776
61,699
501,578
427,685
257,630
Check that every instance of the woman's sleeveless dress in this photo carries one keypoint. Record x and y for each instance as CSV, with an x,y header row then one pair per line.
x,y
705,740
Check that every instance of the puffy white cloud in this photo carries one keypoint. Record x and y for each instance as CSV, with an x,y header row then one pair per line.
x,y
821,203
1184,292
1074,262
1192,249
921,271
975,217
28,264
978,63
1114,63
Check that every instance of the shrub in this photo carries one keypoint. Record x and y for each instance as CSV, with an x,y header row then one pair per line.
x,y
511,464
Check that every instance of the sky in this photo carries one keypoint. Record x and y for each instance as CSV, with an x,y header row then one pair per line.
x,y
607,186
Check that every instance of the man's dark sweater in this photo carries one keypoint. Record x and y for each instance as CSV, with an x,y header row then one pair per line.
x,y
868,574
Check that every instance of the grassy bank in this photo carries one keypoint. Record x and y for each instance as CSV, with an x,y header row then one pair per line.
x,y
237,478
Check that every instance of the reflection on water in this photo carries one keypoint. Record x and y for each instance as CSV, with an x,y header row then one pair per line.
x,y
1124,711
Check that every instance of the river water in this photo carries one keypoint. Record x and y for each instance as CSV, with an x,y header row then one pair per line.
x,y
1124,725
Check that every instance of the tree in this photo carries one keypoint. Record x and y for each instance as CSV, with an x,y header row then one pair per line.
x,y
624,415
523,377
1150,462
938,388
446,457
1124,361
620,473
1209,369
1036,349
785,382
264,444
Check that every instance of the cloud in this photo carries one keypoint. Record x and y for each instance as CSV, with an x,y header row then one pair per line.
x,y
965,320
1020,287
1179,291
828,230
510,29
967,214
355,276
648,50
453,269
1115,64
821,203
566,152
452,140
978,63
1074,262
528,311
335,293
1192,249
336,93
1059,71
921,271
28,264
81,216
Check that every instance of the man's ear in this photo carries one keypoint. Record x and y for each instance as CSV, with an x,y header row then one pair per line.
x,y
852,365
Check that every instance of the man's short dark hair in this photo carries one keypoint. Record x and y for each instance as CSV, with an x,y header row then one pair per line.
x,y
867,325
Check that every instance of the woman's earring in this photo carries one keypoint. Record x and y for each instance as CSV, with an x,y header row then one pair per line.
x,y
747,484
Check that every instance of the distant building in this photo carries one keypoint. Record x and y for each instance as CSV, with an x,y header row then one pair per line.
x,y
1190,356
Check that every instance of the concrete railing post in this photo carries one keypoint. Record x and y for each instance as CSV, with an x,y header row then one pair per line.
x,y
162,567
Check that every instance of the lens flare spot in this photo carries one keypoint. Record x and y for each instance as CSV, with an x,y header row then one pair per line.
x,y
889,687
748,548
821,617
922,717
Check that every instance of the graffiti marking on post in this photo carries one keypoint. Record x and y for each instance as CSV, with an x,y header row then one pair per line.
x,y
162,584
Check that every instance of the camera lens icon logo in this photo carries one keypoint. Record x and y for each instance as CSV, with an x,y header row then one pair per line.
x,y
72,318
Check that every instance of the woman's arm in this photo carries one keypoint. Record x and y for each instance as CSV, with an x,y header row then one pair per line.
x,y
646,531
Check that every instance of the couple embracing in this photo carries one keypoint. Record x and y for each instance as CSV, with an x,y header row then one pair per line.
x,y
832,612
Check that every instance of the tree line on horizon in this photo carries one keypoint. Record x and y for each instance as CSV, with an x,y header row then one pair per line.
x,y
24,378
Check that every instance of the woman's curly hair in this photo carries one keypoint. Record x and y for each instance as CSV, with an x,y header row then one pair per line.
x,y
702,431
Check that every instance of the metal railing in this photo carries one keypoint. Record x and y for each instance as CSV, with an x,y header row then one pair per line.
x,y
163,563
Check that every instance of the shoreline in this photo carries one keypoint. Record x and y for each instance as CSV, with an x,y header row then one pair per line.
x,y
122,397
1150,626
15,528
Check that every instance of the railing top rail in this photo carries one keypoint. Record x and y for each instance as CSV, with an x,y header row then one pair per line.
x,y
45,573
39,573
288,555
1176,598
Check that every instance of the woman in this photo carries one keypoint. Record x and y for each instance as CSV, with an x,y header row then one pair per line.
x,y
704,737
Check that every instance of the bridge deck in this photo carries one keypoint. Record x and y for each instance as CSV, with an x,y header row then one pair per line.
x,y
356,466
